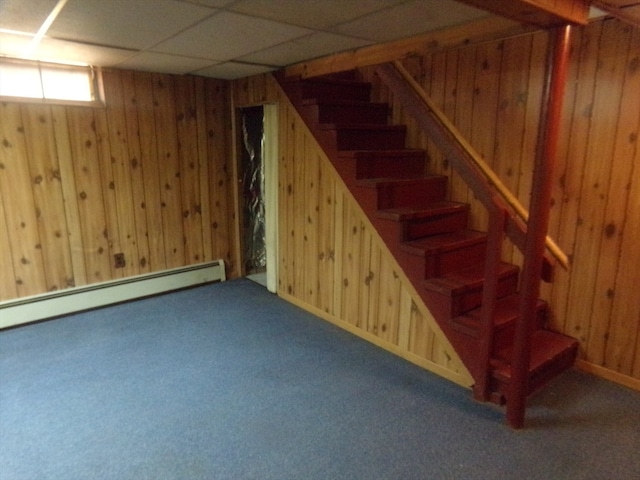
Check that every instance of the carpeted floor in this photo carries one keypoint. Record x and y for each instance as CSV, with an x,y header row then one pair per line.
x,y
227,381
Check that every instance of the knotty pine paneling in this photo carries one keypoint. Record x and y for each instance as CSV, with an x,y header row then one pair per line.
x,y
493,94
148,175
330,260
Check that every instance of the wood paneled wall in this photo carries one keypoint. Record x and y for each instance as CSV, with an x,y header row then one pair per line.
x,y
492,93
149,175
330,259
596,216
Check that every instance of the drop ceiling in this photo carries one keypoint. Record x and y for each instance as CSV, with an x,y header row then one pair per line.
x,y
223,38
216,38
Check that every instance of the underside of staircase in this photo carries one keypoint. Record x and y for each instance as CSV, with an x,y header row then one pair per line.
x,y
427,234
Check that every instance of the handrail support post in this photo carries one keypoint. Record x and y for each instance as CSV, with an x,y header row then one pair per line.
x,y
546,159
497,220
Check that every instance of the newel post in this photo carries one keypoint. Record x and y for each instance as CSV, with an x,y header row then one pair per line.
x,y
546,159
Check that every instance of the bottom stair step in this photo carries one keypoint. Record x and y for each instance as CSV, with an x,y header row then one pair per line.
x,y
506,314
551,354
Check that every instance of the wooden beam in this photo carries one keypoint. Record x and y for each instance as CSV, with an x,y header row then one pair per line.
x,y
542,13
480,31
626,10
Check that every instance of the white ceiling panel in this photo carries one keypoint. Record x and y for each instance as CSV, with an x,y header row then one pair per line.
x,y
231,70
164,63
24,16
317,14
125,23
409,19
229,35
305,48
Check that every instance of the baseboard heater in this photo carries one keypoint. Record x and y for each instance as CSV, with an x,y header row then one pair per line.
x,y
53,304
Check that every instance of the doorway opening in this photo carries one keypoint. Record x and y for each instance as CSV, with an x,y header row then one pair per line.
x,y
258,193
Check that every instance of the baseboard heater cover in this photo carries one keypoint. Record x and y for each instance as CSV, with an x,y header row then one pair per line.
x,y
63,302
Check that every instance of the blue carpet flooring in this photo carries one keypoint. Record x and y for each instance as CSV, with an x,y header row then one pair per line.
x,y
227,381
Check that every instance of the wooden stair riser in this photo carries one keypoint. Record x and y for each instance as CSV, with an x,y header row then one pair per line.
x,y
441,263
401,194
358,165
348,114
334,90
503,335
451,252
471,298
377,165
412,229
380,195
363,138
450,222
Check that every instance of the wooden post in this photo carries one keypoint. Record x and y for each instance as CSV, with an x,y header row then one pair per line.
x,y
546,157
497,220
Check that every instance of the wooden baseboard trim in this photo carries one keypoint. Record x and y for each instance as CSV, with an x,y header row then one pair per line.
x,y
598,371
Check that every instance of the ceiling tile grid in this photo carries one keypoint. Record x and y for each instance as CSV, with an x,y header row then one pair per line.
x,y
217,38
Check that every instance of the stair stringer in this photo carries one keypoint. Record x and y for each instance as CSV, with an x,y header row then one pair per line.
x,y
331,257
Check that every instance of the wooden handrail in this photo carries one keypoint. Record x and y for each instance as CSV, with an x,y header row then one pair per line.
x,y
490,175
617,12
487,29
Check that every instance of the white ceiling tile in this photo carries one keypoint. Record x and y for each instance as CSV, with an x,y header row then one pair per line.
x,y
231,70
317,14
125,23
25,16
411,18
163,63
229,35
305,48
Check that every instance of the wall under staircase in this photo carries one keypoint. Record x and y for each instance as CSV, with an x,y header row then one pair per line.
x,y
332,260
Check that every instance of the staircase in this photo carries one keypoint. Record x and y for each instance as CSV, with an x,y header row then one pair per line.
x,y
427,234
